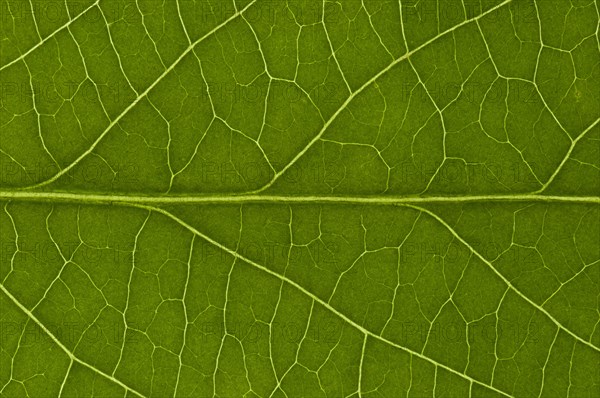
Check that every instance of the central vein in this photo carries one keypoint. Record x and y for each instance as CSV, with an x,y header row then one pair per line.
x,y
262,198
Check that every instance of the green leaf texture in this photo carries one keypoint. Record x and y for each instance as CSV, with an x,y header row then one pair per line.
x,y
300,198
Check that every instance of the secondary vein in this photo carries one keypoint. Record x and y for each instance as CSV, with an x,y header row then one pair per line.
x,y
62,346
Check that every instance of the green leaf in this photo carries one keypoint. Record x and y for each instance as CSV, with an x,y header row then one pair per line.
x,y
302,198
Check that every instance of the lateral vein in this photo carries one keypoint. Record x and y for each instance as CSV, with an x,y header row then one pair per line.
x,y
139,98
354,94
62,346
501,276
313,297
50,36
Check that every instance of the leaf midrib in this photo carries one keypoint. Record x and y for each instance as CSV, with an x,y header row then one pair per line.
x,y
224,198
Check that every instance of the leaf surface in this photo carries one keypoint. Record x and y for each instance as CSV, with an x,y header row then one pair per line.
x,y
258,198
